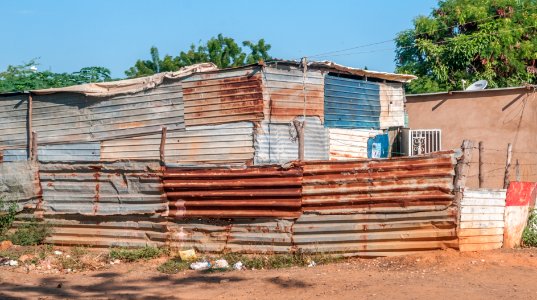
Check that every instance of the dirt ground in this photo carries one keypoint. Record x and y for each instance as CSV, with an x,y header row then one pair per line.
x,y
448,274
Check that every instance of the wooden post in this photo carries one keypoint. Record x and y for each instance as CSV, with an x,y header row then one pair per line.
x,y
517,170
30,132
33,154
481,177
162,145
299,126
507,166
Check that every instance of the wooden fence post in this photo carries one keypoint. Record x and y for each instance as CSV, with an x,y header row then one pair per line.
x,y
162,146
33,153
481,177
299,126
517,170
507,166
461,173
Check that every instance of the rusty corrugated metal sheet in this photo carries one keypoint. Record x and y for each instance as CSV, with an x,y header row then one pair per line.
x,y
482,219
277,143
376,234
13,118
256,235
107,231
19,182
394,185
68,117
249,192
392,105
100,188
347,144
284,93
225,96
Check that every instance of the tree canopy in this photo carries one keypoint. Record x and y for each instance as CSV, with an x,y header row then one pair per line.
x,y
223,51
466,40
26,77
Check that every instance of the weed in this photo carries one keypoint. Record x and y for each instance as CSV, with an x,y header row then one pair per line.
x,y
278,261
8,210
529,236
173,266
30,233
131,255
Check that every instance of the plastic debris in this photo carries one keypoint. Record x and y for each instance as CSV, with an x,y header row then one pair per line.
x,y
311,264
221,264
58,252
13,263
188,255
200,265
238,266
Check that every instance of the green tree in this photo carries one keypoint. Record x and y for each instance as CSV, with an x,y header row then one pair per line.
x,y
470,40
26,77
223,51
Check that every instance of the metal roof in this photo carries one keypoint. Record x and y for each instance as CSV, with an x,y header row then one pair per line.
x,y
527,87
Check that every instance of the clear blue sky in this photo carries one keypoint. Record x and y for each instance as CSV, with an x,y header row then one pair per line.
x,y
69,35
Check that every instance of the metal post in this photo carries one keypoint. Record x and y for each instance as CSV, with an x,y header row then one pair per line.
x,y
162,145
481,177
507,166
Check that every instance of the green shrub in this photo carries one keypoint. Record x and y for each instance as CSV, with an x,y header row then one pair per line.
x,y
8,210
131,255
173,266
529,236
30,233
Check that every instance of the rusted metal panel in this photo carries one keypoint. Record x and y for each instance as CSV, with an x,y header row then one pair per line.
x,y
68,117
19,182
226,193
346,144
226,96
284,91
69,152
118,188
482,219
277,143
392,185
392,105
107,231
13,119
376,234
255,235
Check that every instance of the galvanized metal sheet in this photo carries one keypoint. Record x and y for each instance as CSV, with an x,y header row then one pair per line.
x,y
392,105
351,103
224,193
284,91
107,231
119,188
346,144
222,97
376,234
393,185
13,118
19,182
69,152
9,155
277,143
482,219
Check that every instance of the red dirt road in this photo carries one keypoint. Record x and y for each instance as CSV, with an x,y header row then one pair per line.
x,y
506,274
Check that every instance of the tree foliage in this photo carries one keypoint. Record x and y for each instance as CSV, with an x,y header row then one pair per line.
x,y
470,40
223,51
26,77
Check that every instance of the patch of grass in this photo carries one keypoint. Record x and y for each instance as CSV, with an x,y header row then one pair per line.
x,y
173,266
74,260
30,233
278,261
8,210
529,236
131,255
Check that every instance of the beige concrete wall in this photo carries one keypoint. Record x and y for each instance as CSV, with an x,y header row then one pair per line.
x,y
496,117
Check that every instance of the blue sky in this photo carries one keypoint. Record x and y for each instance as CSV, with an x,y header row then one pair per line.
x,y
69,35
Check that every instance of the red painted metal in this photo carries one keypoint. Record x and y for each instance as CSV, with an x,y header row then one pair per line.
x,y
520,193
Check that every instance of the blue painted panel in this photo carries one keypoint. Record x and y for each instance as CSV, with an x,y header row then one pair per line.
x,y
70,152
351,103
15,155
377,147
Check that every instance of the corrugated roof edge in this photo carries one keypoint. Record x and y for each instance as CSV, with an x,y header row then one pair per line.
x,y
526,87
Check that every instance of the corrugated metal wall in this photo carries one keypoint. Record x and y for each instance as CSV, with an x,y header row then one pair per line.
x,y
13,118
482,219
395,185
351,103
392,105
118,188
69,152
250,192
221,97
284,93
277,144
346,144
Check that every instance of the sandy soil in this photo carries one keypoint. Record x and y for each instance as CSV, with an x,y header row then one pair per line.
x,y
505,274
